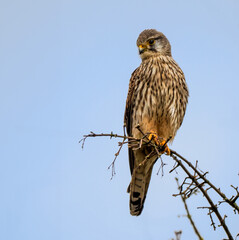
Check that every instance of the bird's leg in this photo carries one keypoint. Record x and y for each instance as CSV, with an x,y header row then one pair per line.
x,y
161,143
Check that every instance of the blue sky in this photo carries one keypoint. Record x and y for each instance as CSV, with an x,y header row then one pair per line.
x,y
65,68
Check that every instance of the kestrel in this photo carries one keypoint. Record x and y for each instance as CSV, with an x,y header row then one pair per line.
x,y
156,102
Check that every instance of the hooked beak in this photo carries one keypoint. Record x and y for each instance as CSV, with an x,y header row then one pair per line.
x,y
142,49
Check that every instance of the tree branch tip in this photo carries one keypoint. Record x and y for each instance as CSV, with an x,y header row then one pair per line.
x,y
190,186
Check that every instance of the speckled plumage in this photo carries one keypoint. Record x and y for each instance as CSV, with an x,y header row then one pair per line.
x,y
157,100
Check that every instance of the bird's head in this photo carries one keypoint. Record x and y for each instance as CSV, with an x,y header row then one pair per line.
x,y
151,42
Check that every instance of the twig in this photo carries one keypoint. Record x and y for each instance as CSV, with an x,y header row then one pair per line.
x,y
112,165
193,186
202,176
162,164
183,197
213,207
111,135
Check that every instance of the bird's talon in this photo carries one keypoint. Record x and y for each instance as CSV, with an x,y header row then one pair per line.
x,y
165,149
154,136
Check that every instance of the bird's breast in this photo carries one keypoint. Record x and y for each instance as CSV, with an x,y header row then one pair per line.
x,y
156,108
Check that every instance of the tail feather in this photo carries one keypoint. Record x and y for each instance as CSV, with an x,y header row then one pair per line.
x,y
141,170
138,189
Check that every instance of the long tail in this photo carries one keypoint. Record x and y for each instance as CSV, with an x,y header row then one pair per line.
x,y
138,189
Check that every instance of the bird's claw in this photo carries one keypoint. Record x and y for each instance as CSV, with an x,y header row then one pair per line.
x,y
154,137
165,147
162,144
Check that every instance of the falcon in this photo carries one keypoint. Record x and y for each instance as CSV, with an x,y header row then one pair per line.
x,y
155,105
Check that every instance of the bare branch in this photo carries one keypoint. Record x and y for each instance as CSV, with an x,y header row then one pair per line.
x,y
162,164
183,197
112,165
202,176
213,207
193,182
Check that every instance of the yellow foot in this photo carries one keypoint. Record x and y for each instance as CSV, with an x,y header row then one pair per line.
x,y
153,136
166,148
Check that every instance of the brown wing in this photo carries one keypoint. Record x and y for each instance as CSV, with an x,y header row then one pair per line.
x,y
128,114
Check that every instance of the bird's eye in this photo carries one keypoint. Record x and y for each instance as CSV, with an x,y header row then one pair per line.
x,y
151,41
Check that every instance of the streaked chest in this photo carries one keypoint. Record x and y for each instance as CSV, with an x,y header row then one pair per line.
x,y
151,92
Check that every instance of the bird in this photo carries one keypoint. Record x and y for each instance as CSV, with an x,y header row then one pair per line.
x,y
156,103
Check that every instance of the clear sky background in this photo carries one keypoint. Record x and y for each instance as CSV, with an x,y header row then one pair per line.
x,y
64,71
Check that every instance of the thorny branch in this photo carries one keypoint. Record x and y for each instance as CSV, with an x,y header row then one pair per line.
x,y
184,197
231,201
213,207
193,182
133,142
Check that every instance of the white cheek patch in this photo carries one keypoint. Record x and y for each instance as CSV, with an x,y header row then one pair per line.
x,y
158,46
